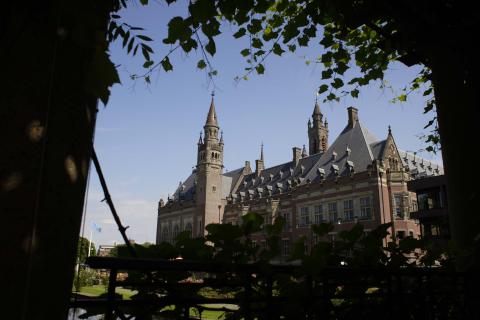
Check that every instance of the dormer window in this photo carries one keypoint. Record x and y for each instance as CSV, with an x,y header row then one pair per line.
x,y
291,171
348,151
271,177
334,169
262,178
280,174
253,182
350,166
302,168
321,173
334,156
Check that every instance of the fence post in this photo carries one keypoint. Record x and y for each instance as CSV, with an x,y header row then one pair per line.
x,y
248,293
112,283
268,299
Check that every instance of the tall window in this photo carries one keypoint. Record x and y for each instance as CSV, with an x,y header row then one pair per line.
x,y
165,234
398,201
176,231
318,218
285,247
200,228
365,208
288,221
348,210
188,227
332,212
304,216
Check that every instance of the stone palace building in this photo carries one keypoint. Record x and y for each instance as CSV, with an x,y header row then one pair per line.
x,y
357,178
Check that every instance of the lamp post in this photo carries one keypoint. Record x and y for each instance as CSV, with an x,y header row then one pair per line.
x,y
219,207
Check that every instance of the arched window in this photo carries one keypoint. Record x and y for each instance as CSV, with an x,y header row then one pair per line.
x,y
176,231
165,234
189,228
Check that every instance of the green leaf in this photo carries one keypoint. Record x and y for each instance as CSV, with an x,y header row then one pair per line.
x,y
210,47
354,93
260,69
323,88
130,44
257,43
144,38
245,52
144,2
201,64
327,74
322,229
337,83
125,39
145,53
167,66
292,47
277,49
240,33
402,97
148,64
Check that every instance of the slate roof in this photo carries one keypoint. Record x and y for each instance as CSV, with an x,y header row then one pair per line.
x,y
186,189
355,149
278,178
420,167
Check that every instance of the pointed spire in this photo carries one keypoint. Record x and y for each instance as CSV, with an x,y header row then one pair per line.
x,y
221,137
212,115
200,141
316,110
326,122
304,152
261,151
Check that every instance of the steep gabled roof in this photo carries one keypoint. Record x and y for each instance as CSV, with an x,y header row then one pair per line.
x,y
357,140
280,176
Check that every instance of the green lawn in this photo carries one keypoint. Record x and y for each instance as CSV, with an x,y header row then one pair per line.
x,y
97,290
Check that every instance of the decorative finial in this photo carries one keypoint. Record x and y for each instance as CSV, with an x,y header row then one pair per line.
x,y
213,93
389,130
261,151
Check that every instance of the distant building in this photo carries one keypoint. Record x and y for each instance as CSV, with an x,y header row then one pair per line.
x,y
358,178
432,207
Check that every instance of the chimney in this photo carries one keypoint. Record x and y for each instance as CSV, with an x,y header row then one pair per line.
x,y
259,166
247,167
352,116
297,155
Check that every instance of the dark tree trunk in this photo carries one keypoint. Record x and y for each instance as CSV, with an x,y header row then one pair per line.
x,y
46,124
455,79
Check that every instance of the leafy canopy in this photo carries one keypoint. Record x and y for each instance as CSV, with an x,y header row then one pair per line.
x,y
365,36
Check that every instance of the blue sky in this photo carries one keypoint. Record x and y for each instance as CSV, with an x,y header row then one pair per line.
x,y
146,136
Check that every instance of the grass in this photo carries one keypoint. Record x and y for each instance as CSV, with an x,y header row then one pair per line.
x,y
96,290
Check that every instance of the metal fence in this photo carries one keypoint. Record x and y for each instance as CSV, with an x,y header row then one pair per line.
x,y
269,291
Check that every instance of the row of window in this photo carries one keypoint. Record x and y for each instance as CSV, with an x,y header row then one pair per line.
x,y
329,212
169,234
